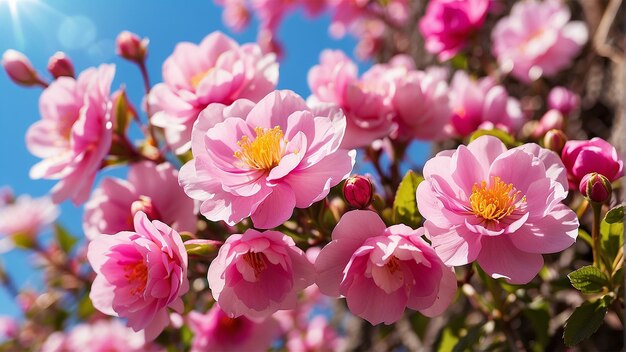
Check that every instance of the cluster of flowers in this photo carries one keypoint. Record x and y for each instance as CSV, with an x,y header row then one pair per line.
x,y
251,151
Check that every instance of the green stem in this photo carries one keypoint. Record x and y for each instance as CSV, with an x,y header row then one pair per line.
x,y
595,233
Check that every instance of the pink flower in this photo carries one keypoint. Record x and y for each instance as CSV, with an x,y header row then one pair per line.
x,y
563,100
150,188
129,46
217,70
499,207
101,336
263,160
365,101
216,331
595,155
317,336
257,273
8,328
448,24
383,270
482,104
422,105
27,216
537,39
236,14
140,274
20,69
60,65
75,132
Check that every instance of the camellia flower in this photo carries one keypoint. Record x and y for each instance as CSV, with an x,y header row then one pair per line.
x,y
383,270
257,273
150,188
499,207
102,335
75,132
27,216
140,274
596,155
482,104
448,24
217,70
365,101
263,160
537,39
216,331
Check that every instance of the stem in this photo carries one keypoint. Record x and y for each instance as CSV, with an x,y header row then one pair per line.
x,y
60,266
144,75
595,232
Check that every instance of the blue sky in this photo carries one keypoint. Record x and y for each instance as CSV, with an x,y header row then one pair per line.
x,y
86,31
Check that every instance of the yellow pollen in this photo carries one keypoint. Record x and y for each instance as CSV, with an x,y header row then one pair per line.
x,y
256,261
495,201
137,273
265,151
198,77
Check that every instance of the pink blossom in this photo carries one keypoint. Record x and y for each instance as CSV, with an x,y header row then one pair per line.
x,y
101,336
150,188
217,70
537,39
421,102
317,336
563,100
8,327
27,216
129,46
596,155
383,270
448,24
499,207
236,14
20,69
140,274
482,104
216,331
365,101
263,160
75,132
257,273
60,65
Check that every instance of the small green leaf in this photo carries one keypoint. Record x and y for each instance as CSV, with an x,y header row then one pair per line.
x,y
612,239
66,241
615,215
585,320
588,279
500,134
202,248
124,112
405,205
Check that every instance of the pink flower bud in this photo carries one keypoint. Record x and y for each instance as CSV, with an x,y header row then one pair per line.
x,y
131,47
552,119
563,100
60,65
20,70
358,191
555,140
595,187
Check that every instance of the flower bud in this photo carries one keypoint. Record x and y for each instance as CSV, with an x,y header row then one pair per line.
x,y
20,70
131,47
595,187
60,65
145,204
563,100
555,140
552,119
358,191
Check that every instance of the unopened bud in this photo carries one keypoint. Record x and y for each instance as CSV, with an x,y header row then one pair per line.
x,y
20,70
358,191
131,47
552,119
60,65
555,140
563,100
145,204
595,187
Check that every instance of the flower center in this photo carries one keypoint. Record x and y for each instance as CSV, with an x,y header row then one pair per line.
x,y
137,274
256,262
198,77
494,201
144,203
392,265
265,151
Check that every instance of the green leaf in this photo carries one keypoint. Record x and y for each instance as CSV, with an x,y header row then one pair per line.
x,y
123,111
500,134
405,205
612,239
66,241
615,215
588,279
467,342
202,248
585,320
448,340
85,308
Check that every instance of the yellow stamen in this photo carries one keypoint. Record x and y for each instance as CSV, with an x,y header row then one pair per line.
x,y
198,77
495,201
265,151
